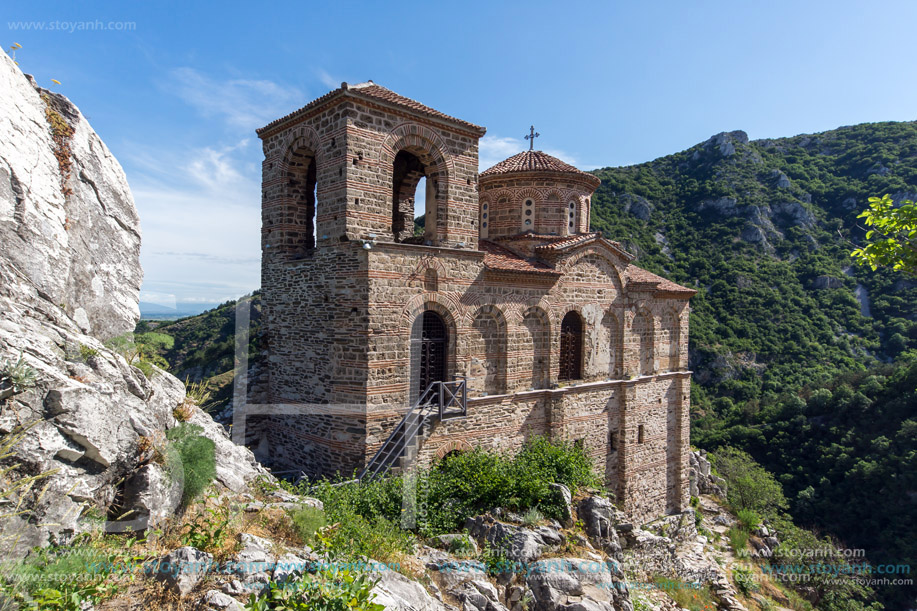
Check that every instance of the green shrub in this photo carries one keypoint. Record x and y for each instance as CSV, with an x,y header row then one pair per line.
x,y
306,521
749,519
352,537
17,377
532,517
744,579
327,591
195,456
738,540
87,352
466,484
749,485
209,530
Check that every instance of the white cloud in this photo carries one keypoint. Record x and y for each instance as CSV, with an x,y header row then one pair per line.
x,y
493,149
327,80
201,219
246,103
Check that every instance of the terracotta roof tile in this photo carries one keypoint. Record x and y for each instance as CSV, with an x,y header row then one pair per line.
x,y
498,258
535,161
565,242
637,275
374,92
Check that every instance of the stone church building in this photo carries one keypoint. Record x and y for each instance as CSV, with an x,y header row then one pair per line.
x,y
507,318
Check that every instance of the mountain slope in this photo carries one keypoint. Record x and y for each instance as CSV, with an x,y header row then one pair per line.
x,y
800,358
762,229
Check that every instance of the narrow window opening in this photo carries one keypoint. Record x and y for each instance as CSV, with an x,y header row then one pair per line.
x,y
640,434
571,347
409,195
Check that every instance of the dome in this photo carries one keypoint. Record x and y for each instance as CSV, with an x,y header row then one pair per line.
x,y
536,161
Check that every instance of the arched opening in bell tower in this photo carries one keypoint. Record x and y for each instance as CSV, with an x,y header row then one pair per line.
x,y
302,191
408,172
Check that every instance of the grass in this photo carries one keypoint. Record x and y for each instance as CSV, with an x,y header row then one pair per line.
x,y
691,596
307,521
738,540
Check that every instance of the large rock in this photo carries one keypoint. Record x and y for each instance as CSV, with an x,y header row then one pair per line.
x,y
82,249
518,544
183,568
599,517
570,584
398,593
69,279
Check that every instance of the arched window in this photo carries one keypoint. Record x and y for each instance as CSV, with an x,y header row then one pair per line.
x,y
301,192
407,171
485,218
571,347
571,217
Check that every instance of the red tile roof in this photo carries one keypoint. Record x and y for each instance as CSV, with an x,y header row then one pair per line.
x,y
535,161
639,276
581,240
501,259
372,91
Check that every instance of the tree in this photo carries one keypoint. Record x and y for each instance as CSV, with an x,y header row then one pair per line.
x,y
892,241
748,484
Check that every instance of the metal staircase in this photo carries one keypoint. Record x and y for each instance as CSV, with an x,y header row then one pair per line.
x,y
440,401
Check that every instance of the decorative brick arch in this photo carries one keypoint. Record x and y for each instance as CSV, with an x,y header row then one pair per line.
x,y
446,308
289,219
438,165
453,445
303,136
598,253
486,347
443,304
537,337
669,347
613,322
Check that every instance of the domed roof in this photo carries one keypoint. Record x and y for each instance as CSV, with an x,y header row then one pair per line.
x,y
534,161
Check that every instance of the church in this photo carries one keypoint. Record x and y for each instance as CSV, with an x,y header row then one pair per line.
x,y
505,318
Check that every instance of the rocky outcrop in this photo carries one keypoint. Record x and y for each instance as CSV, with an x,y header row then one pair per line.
x,y
69,279
67,216
702,479
638,206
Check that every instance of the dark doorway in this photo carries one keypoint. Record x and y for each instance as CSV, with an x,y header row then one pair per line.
x,y
429,339
571,347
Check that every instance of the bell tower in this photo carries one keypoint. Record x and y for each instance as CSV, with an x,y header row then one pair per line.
x,y
338,179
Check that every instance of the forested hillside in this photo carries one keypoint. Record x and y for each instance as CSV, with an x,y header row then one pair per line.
x,y
801,358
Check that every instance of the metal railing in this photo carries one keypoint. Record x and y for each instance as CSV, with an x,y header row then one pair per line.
x,y
443,399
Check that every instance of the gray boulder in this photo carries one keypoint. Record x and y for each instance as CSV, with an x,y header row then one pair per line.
x,y
398,593
520,545
598,516
562,584
561,495
218,601
182,569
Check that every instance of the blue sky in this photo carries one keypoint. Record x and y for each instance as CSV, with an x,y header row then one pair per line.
x,y
177,89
